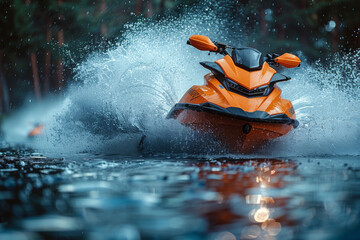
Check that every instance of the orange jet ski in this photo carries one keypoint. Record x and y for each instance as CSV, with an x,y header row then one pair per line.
x,y
239,103
36,131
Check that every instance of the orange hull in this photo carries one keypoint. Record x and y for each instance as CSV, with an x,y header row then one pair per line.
x,y
231,131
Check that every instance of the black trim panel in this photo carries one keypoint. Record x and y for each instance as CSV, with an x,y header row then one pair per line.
x,y
238,113
278,77
213,67
232,86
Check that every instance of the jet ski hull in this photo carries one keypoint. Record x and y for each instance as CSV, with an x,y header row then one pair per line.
x,y
238,135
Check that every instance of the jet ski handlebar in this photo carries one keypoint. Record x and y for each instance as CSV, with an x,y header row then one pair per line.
x,y
286,60
270,59
204,43
222,48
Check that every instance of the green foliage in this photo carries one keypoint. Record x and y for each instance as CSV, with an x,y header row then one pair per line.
x,y
301,25
289,26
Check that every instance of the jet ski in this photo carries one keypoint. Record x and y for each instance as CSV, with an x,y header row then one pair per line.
x,y
36,131
240,103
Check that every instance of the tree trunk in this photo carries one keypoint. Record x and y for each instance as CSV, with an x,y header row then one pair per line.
x,y
358,38
279,25
303,35
47,68
34,68
335,35
4,93
263,22
162,6
59,64
35,75
303,4
1,86
149,8
103,29
1,95
138,7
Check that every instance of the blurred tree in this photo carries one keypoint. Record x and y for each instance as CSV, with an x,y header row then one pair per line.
x,y
4,94
35,73
149,6
138,7
103,29
47,65
315,27
35,32
60,38
24,12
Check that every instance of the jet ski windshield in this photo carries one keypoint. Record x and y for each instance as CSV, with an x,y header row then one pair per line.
x,y
247,58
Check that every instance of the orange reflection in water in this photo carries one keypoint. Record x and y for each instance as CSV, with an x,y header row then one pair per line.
x,y
238,178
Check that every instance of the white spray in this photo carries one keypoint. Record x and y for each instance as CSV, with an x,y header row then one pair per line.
x,y
125,93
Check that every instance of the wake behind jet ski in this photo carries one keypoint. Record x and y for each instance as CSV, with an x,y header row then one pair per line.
x,y
239,103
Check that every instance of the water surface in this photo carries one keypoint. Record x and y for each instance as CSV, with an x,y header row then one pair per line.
x,y
115,197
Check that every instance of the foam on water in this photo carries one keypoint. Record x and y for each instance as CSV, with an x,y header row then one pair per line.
x,y
126,92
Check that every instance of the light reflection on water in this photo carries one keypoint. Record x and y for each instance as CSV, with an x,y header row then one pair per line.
x,y
122,198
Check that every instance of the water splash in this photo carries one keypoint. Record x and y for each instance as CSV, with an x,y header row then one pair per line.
x,y
326,100
125,93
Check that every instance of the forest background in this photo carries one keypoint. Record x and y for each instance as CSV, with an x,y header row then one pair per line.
x,y
42,41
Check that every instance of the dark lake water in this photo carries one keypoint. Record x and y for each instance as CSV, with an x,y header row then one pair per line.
x,y
114,197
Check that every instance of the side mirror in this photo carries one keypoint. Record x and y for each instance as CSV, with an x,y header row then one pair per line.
x,y
288,60
202,43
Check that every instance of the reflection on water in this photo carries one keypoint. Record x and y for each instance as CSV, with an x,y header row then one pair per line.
x,y
250,183
108,197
